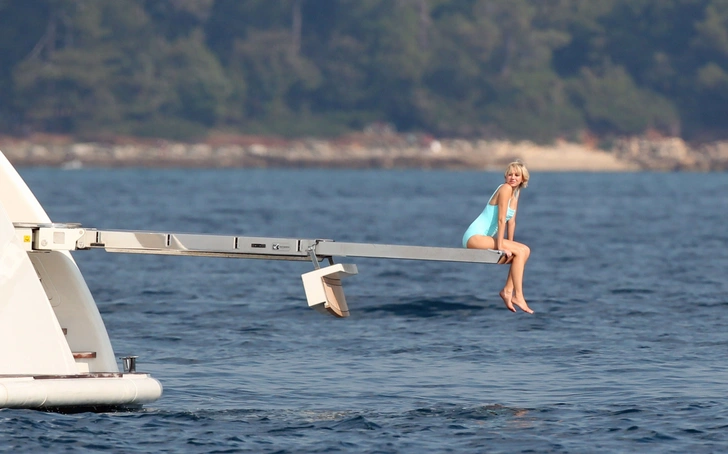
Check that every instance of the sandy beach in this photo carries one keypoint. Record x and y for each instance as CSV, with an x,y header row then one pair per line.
x,y
367,151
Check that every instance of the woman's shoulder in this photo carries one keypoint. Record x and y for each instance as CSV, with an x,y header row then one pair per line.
x,y
505,190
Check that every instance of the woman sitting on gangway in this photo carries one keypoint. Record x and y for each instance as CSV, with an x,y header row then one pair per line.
x,y
488,232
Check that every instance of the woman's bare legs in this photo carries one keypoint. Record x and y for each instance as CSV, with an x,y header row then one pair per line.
x,y
521,253
507,293
512,293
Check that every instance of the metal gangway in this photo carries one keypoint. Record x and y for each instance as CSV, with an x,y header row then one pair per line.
x,y
323,288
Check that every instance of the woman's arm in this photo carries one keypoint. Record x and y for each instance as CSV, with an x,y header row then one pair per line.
x,y
512,228
504,195
512,222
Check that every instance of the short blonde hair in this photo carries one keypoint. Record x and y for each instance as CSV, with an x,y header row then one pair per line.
x,y
521,168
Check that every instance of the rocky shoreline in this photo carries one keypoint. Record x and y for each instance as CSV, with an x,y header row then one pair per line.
x,y
367,151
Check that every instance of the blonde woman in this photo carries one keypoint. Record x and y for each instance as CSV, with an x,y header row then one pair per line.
x,y
488,232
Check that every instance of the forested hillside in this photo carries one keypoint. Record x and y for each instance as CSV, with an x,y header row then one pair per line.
x,y
534,69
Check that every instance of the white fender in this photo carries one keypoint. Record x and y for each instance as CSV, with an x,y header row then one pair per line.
x,y
128,389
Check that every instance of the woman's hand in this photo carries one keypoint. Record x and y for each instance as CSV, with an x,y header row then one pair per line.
x,y
507,257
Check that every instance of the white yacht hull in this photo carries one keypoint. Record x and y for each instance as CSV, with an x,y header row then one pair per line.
x,y
55,352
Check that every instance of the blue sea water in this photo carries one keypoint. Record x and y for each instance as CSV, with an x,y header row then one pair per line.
x,y
627,350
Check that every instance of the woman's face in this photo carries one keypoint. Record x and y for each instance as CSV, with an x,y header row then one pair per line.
x,y
514,177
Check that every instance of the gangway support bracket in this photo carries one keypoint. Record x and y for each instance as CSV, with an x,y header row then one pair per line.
x,y
324,291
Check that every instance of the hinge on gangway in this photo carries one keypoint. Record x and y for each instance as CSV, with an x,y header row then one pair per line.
x,y
314,258
49,236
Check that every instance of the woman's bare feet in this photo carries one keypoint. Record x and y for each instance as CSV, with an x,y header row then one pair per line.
x,y
521,303
506,295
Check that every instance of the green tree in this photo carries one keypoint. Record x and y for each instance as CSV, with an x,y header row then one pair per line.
x,y
199,83
176,19
21,23
710,87
271,68
650,40
61,83
613,103
491,72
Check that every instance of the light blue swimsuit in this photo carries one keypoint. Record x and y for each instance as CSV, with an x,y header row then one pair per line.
x,y
487,223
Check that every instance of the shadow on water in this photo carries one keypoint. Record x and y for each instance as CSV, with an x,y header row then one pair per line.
x,y
417,307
